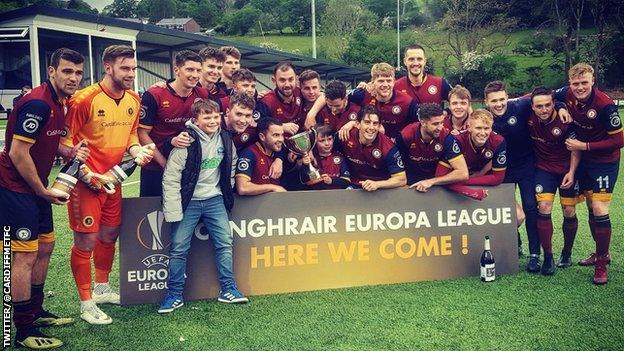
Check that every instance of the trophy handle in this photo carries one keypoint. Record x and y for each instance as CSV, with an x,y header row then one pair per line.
x,y
313,138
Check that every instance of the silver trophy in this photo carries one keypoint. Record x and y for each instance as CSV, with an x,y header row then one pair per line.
x,y
301,144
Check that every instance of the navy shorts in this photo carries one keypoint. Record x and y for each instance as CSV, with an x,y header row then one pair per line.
x,y
29,218
597,180
546,185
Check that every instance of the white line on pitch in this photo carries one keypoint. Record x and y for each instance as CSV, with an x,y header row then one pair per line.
x,y
131,183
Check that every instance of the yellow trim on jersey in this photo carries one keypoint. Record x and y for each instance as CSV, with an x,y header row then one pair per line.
x,y
243,175
614,131
24,139
550,197
397,173
456,158
145,126
499,169
346,178
47,238
24,246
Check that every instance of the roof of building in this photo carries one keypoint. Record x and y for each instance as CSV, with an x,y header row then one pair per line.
x,y
156,43
174,21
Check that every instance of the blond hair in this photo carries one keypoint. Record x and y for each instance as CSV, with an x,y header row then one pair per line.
x,y
382,69
579,69
482,115
460,92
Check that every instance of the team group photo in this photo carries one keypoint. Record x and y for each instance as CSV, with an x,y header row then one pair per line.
x,y
429,175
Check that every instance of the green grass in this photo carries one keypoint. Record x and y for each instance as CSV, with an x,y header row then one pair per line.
x,y
520,311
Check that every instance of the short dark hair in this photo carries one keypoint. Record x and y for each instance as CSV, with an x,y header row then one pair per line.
x,y
307,75
335,90
541,90
413,47
283,66
242,100
113,52
209,52
428,110
367,110
493,87
186,55
204,105
231,51
65,54
323,130
265,123
243,74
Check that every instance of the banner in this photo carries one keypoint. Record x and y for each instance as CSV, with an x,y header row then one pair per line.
x,y
310,240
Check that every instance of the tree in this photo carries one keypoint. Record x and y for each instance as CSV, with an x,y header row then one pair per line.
x,y
471,24
80,5
341,19
159,9
205,12
241,21
121,9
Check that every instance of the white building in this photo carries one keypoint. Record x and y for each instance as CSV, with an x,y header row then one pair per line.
x,y
29,35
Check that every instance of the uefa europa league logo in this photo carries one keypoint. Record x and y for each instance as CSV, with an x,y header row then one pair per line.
x,y
154,223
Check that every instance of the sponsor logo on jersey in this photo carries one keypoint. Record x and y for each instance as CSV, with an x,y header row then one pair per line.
x,y
243,164
614,119
244,137
101,113
142,112
437,147
591,114
130,111
256,115
502,158
456,148
30,125
488,154
396,109
166,104
432,89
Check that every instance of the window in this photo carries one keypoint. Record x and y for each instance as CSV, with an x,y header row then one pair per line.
x,y
14,64
50,40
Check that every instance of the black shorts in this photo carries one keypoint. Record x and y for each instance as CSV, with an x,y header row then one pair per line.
x,y
546,185
597,180
28,216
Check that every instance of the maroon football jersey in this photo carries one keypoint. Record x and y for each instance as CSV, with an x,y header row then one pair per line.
x,y
255,164
325,116
164,113
394,114
448,122
272,105
551,154
38,118
494,150
594,121
421,157
335,166
434,89
377,161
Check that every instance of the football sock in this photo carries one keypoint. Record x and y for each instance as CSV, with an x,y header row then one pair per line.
x,y
603,234
545,232
81,268
103,256
569,227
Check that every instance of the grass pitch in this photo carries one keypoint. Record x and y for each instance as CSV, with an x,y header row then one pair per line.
x,y
521,311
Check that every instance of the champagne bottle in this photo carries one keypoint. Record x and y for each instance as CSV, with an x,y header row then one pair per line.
x,y
67,178
488,271
120,172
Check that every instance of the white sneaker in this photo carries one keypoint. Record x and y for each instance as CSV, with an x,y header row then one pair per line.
x,y
103,293
92,314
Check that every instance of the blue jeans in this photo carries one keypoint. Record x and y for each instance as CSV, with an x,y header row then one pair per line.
x,y
213,214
